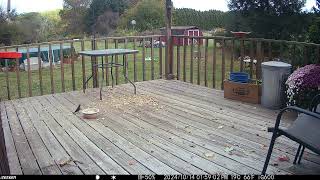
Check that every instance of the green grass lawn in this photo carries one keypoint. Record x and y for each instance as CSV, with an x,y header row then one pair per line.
x,y
101,45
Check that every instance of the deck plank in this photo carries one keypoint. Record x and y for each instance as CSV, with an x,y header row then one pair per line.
x,y
46,163
55,148
284,145
169,127
214,112
183,154
165,157
259,133
78,155
13,160
96,154
27,159
149,160
104,144
179,132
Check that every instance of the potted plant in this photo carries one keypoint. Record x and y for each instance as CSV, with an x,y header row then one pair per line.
x,y
302,85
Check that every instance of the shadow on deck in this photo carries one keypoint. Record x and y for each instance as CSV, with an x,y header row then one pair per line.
x,y
169,127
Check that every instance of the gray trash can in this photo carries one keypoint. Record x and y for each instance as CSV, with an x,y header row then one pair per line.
x,y
274,76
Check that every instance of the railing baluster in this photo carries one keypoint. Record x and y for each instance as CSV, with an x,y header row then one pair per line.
x,y
152,59
160,59
270,51
214,60
178,59
242,54
317,60
51,69
72,68
18,75
116,61
126,59
143,60
223,72
7,79
94,69
135,61
83,63
191,61
63,87
29,72
251,58
185,43
106,46
40,70
281,51
206,63
305,55
259,59
199,61
232,55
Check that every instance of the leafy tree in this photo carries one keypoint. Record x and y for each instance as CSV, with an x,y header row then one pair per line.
x,y
30,25
276,19
202,19
104,13
9,32
148,14
314,29
73,15
51,25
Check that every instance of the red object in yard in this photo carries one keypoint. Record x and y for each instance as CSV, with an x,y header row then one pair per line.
x,y
240,34
10,55
183,31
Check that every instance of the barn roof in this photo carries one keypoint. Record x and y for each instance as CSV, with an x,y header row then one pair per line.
x,y
181,27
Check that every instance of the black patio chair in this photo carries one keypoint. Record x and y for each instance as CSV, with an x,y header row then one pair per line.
x,y
304,130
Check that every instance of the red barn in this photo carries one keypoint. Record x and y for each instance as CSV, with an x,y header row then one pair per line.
x,y
183,31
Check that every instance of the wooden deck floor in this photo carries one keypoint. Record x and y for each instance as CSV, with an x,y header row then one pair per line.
x,y
169,127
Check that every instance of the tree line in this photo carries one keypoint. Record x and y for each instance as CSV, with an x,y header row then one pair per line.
x,y
275,19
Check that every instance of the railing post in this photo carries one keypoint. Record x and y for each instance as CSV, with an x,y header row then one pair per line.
x,y
93,67
259,59
169,47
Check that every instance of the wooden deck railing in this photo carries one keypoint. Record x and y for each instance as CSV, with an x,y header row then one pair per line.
x,y
202,60
70,76
209,60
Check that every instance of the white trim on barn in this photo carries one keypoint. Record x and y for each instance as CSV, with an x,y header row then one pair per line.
x,y
193,32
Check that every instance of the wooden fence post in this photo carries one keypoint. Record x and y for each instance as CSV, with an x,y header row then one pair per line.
x,y
169,47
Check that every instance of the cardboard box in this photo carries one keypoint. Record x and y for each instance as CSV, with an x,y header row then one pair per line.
x,y
245,92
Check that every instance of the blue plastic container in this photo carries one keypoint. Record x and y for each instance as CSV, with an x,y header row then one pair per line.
x,y
239,77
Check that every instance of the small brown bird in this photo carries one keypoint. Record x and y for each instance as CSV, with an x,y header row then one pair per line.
x,y
78,109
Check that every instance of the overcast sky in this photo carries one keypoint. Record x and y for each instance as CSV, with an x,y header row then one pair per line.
x,y
44,5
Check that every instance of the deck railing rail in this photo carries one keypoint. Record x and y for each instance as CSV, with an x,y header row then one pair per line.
x,y
204,60
73,70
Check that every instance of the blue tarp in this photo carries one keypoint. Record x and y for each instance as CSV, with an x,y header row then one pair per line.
x,y
44,52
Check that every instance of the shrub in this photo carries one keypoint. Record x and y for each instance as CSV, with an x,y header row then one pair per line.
x,y
302,85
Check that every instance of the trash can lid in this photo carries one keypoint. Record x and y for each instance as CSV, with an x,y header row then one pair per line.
x,y
276,64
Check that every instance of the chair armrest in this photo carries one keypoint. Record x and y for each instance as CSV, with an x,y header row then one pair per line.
x,y
297,109
307,112
314,103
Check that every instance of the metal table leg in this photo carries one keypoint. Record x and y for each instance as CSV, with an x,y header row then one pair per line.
x,y
102,79
125,66
112,78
